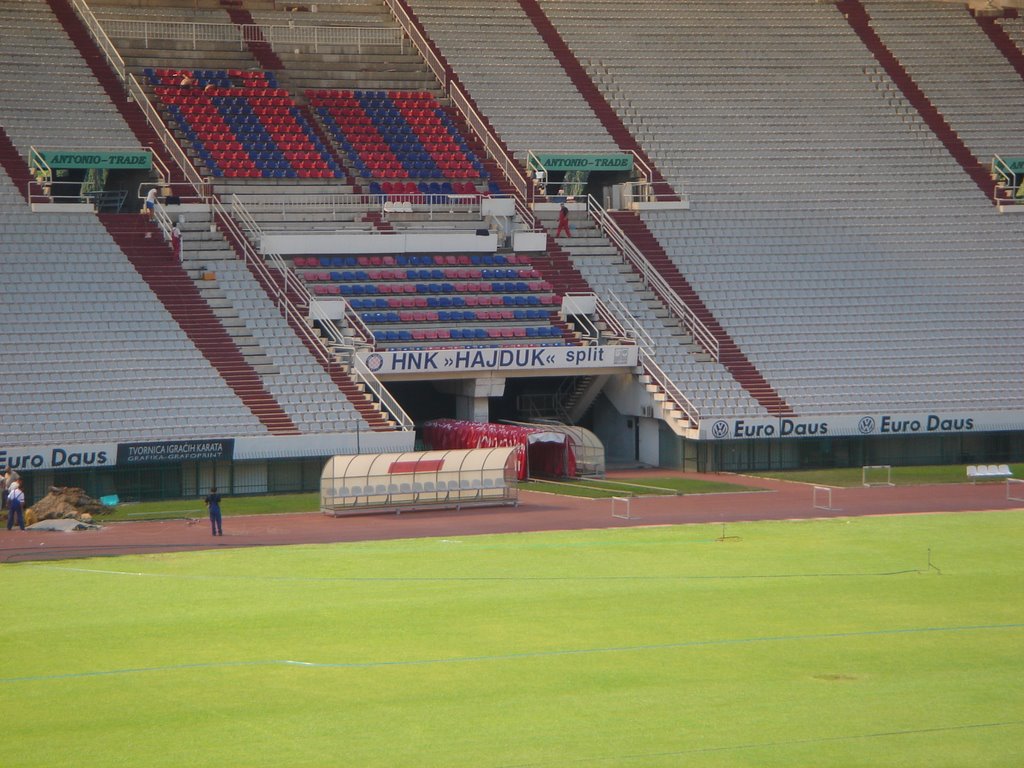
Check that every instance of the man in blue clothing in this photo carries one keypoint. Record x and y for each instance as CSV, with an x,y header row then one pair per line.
x,y
213,504
16,506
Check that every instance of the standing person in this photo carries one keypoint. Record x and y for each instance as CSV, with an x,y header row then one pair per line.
x,y
10,477
563,221
151,202
176,241
213,504
16,506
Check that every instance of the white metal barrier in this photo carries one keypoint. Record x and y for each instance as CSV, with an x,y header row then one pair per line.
x,y
312,37
653,279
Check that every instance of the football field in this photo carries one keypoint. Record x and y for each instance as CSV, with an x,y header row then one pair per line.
x,y
863,642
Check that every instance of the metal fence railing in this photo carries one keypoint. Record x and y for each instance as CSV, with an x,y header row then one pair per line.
x,y
653,279
199,34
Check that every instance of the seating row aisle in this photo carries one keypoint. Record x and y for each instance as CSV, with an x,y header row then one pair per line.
x,y
165,389
852,263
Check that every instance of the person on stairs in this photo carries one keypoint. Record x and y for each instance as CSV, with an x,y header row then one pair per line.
x,y
563,221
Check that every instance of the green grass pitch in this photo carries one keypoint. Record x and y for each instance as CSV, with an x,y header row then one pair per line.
x,y
819,643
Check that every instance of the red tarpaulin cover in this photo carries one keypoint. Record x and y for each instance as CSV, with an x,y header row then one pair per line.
x,y
537,450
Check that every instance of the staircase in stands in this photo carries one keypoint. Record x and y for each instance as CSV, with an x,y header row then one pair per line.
x,y
860,21
132,114
366,406
143,245
729,354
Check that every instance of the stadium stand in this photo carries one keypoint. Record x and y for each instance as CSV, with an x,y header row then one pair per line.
x,y
44,81
301,386
399,135
105,359
529,99
836,246
239,123
843,249
958,69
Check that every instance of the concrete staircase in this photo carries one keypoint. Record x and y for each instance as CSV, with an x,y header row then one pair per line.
x,y
730,355
152,258
16,167
860,21
131,113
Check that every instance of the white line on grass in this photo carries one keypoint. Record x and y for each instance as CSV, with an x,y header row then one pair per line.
x,y
515,656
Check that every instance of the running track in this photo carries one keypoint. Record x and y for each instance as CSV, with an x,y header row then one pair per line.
x,y
754,499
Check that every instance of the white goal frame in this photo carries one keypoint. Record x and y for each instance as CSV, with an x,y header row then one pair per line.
x,y
873,483
821,498
620,508
1014,489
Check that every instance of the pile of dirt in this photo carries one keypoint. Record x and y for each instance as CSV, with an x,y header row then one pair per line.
x,y
63,503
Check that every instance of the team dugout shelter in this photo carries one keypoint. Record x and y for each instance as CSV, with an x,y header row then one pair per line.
x,y
395,482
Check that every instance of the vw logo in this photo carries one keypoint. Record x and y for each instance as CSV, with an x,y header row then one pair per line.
x,y
866,425
720,429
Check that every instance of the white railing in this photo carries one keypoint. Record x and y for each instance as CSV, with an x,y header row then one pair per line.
x,y
136,94
460,100
93,25
41,171
1009,178
303,35
627,322
572,305
167,140
574,302
163,221
350,317
648,360
411,30
278,287
293,284
334,205
652,369
509,167
653,279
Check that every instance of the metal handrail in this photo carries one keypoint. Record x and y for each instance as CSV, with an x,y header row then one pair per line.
x,y
361,202
653,279
616,329
1004,174
138,95
45,177
460,100
163,220
648,360
294,285
475,120
652,369
279,293
570,306
274,34
631,329
400,12
96,30
163,133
